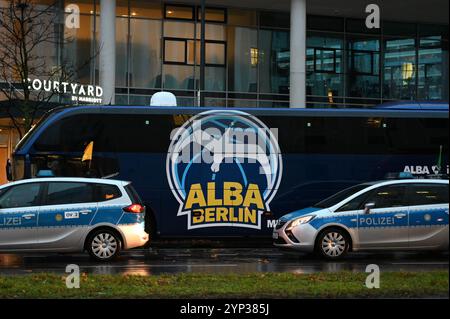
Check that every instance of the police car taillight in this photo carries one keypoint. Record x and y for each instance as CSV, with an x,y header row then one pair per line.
x,y
134,208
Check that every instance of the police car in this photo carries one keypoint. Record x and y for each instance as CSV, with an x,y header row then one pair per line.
x,y
71,215
386,215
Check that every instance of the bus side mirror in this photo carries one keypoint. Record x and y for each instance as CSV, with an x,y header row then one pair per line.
x,y
368,207
8,170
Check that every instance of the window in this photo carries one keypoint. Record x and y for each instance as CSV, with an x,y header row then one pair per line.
x,y
242,76
388,196
71,165
428,194
121,51
325,60
340,196
360,135
79,48
362,62
179,12
363,66
417,136
400,68
355,204
25,195
106,192
145,9
134,196
242,17
175,51
215,53
145,53
178,29
273,61
187,52
432,69
113,133
69,193
3,191
213,14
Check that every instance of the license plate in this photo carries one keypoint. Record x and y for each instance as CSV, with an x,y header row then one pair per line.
x,y
275,235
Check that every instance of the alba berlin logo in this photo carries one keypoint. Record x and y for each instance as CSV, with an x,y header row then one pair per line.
x,y
224,168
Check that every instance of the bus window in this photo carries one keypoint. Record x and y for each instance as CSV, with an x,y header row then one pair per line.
x,y
115,133
359,135
335,135
417,136
73,166
70,134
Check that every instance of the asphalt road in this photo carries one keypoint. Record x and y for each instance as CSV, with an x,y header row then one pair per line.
x,y
218,260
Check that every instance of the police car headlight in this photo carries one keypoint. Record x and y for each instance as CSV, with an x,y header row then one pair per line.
x,y
300,221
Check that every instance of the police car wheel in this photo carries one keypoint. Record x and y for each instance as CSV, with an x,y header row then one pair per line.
x,y
333,243
104,245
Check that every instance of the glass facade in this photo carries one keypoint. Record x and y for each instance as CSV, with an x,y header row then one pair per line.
x,y
247,56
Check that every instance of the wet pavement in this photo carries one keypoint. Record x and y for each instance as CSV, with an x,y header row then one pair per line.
x,y
223,260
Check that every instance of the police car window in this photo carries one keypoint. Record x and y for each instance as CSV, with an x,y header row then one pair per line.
x,y
4,190
134,196
428,194
69,193
354,204
339,197
388,196
24,195
106,192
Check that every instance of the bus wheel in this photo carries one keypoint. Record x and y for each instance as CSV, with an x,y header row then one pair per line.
x,y
333,243
104,245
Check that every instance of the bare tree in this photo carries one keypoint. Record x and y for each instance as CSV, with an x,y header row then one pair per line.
x,y
27,32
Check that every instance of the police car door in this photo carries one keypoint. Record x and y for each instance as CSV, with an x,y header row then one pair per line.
x,y
428,215
383,219
67,214
19,208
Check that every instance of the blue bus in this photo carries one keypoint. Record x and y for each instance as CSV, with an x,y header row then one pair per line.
x,y
210,172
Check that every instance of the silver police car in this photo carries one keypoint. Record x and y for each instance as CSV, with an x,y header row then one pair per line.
x,y
388,215
71,215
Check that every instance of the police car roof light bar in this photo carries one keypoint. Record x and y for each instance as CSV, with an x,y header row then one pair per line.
x,y
399,175
45,173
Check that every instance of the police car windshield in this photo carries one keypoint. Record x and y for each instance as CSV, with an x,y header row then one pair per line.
x,y
340,196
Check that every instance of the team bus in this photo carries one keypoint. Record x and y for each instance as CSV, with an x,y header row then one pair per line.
x,y
205,172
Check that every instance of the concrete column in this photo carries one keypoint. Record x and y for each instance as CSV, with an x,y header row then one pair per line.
x,y
108,49
298,54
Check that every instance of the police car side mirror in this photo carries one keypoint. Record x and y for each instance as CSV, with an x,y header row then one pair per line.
x,y
268,214
368,207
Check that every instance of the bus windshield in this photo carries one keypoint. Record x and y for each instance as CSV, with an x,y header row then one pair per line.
x,y
24,139
340,196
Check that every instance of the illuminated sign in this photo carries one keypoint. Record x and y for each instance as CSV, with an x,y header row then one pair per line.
x,y
224,168
79,93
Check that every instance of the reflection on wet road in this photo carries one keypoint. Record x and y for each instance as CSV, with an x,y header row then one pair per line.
x,y
223,260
